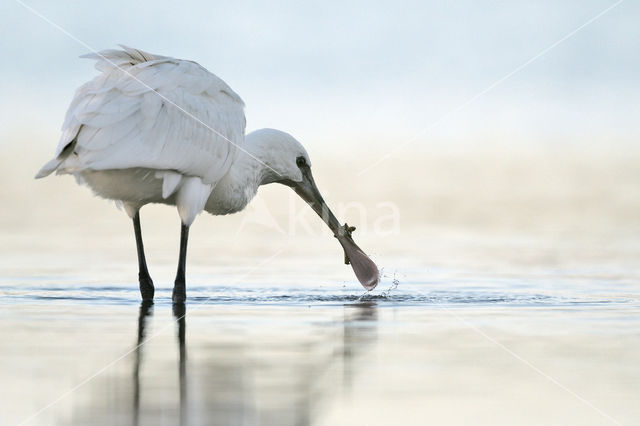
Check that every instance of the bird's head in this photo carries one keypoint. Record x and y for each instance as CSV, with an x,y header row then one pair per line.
x,y
286,162
280,154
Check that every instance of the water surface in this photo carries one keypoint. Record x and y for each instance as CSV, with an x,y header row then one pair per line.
x,y
448,349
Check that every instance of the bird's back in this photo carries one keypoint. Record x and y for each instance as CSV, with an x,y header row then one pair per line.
x,y
154,112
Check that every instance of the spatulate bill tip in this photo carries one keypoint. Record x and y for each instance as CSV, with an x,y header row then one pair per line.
x,y
368,274
370,285
364,268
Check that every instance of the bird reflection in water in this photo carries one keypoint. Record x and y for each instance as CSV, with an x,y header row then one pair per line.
x,y
257,374
145,311
359,333
180,312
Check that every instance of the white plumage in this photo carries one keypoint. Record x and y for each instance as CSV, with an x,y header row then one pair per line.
x,y
158,112
155,129
154,112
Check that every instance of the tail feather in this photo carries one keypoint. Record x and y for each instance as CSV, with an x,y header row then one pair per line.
x,y
49,168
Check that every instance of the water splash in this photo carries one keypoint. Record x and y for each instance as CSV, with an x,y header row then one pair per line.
x,y
394,285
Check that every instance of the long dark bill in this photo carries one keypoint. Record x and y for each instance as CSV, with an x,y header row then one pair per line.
x,y
366,271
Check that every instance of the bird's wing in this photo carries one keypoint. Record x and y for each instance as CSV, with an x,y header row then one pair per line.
x,y
151,111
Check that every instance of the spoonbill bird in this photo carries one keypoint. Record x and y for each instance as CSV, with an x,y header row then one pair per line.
x,y
155,129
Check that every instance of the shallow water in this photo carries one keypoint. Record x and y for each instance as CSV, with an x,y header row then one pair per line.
x,y
452,348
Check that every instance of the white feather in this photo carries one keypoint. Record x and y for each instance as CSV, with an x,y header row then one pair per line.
x,y
155,112
170,182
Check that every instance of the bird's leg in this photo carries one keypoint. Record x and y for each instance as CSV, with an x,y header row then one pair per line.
x,y
179,288
146,284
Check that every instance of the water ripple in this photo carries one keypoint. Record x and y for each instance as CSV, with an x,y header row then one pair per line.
x,y
288,295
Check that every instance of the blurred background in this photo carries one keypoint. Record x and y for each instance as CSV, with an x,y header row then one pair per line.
x,y
416,136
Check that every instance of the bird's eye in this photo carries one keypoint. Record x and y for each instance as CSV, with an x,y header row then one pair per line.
x,y
301,162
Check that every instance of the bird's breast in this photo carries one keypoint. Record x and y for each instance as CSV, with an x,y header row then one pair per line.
x,y
142,186
133,185
229,197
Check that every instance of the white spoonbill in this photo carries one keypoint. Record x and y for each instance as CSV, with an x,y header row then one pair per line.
x,y
155,129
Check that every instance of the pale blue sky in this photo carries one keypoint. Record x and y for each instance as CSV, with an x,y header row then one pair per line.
x,y
353,71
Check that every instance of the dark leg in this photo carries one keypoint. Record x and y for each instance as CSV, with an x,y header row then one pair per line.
x,y
146,285
179,288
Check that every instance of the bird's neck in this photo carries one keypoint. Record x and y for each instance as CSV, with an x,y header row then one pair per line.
x,y
240,185
250,168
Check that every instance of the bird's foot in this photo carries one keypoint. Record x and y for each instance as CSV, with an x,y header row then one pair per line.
x,y
179,310
179,293
146,287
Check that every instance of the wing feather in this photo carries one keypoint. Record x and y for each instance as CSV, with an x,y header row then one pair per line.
x,y
155,112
